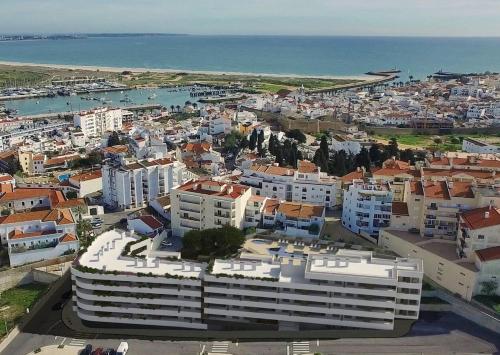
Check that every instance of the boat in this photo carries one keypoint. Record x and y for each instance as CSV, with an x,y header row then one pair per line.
x,y
152,97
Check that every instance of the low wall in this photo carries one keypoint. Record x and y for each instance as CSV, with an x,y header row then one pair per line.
x,y
23,274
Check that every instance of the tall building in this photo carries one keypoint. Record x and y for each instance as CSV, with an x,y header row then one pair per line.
x,y
135,184
367,207
204,204
98,121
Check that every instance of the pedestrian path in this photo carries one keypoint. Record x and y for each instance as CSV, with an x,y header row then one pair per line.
x,y
79,343
300,347
220,347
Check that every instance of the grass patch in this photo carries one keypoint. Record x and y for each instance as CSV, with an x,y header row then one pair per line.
x,y
20,77
17,299
492,302
451,143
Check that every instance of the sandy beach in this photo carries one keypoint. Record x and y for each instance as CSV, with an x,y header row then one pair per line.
x,y
174,71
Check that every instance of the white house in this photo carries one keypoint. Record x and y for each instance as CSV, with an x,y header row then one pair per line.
x,y
146,225
39,235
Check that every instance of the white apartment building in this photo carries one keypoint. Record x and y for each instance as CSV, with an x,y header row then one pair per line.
x,y
348,145
479,229
349,289
367,207
115,286
306,184
204,204
124,279
136,184
96,122
39,235
471,145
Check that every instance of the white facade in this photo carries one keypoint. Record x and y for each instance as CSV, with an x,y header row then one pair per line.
x,y
471,145
96,122
367,207
115,287
40,235
204,204
134,185
349,289
306,184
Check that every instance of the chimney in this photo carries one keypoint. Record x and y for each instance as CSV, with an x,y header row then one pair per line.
x,y
486,215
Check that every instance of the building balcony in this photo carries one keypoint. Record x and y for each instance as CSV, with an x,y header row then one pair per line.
x,y
224,206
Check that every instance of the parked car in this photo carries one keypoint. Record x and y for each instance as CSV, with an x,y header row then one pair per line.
x,y
58,306
122,348
87,350
98,351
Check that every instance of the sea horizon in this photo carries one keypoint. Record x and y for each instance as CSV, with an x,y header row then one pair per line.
x,y
338,56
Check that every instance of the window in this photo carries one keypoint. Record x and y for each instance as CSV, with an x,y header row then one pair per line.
x,y
480,237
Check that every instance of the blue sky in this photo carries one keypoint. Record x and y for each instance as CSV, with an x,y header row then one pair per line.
x,y
288,17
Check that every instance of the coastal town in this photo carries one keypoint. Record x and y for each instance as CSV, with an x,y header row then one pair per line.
x,y
287,211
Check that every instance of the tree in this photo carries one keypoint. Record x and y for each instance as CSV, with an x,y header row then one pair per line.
x,y
375,154
320,160
272,142
323,146
489,288
83,230
232,140
297,135
338,165
260,139
392,148
279,155
113,139
212,243
13,166
178,108
253,140
243,143
407,155
172,107
363,159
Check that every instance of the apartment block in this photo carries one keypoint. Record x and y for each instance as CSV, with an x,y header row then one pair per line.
x,y
95,123
367,207
204,204
113,286
306,184
123,279
349,289
134,184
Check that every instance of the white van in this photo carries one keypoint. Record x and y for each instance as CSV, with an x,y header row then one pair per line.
x,y
122,348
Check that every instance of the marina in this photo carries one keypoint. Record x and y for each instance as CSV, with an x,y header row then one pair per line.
x,y
124,98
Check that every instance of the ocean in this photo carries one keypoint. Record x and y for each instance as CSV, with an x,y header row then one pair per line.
x,y
416,56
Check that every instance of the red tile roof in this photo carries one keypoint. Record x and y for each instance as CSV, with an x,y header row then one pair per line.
x,y
436,189
90,175
475,219
68,237
300,210
152,222
489,254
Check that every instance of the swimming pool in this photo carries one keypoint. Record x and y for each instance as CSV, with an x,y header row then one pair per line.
x,y
63,177
259,241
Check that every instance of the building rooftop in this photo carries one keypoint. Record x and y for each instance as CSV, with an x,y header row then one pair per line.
x,y
359,263
214,188
489,254
299,210
483,217
105,254
272,170
60,216
89,175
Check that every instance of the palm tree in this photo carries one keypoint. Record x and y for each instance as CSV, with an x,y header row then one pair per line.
x,y
172,108
195,105
83,229
411,78
178,108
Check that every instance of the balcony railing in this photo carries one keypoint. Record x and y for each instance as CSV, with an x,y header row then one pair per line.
x,y
23,249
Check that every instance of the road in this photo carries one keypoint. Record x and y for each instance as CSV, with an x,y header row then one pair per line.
x,y
436,333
